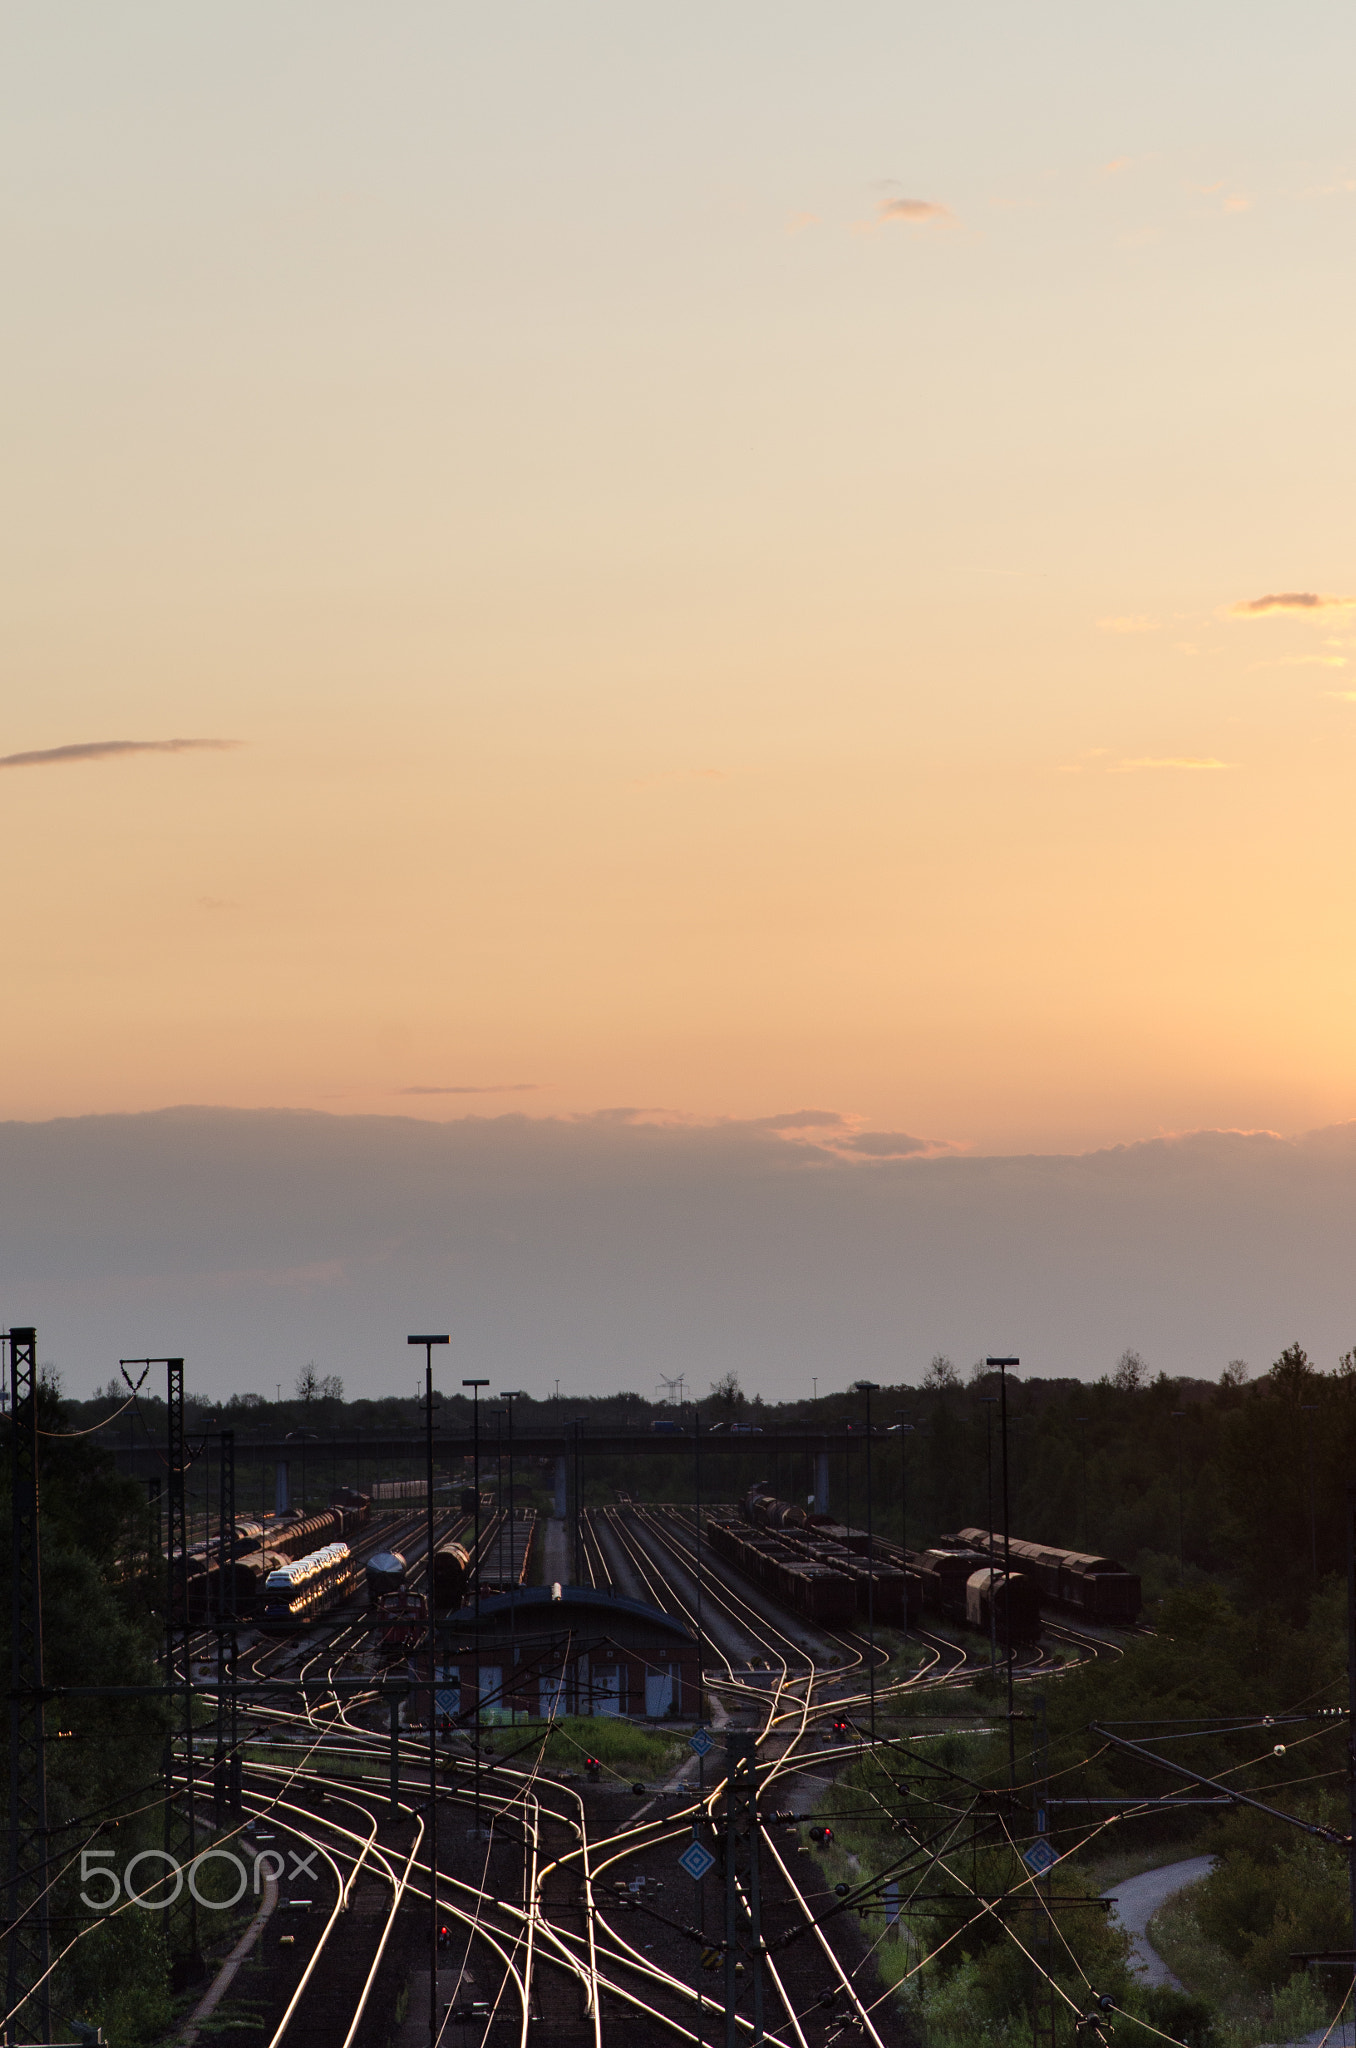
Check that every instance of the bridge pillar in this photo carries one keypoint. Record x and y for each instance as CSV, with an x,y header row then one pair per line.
x,y
821,1482
562,1499
281,1500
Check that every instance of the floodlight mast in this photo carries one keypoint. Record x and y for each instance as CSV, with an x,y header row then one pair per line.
x,y
1003,1367
428,1344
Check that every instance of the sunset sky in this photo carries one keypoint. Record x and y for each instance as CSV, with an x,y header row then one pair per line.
x,y
716,561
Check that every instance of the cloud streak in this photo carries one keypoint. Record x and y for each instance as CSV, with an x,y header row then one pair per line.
x,y
1176,761
1301,603
913,213
112,750
475,1088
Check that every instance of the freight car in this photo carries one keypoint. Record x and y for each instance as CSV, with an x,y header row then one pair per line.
x,y
948,1575
451,1572
385,1573
818,1539
1098,1588
299,1590
355,1509
402,1617
996,1600
806,1585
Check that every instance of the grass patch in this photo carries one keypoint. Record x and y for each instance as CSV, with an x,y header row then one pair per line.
x,y
1102,1868
620,1746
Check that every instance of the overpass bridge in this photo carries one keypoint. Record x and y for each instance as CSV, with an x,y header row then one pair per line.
x,y
359,1459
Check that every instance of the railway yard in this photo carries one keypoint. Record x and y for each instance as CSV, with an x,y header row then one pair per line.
x,y
547,1880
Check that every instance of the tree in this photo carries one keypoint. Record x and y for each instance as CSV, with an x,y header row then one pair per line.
x,y
1292,1374
308,1383
727,1394
1235,1374
1129,1373
941,1373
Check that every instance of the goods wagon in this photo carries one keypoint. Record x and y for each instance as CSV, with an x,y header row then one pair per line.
x,y
402,1617
300,1589
385,1573
994,1599
818,1581
1097,1587
353,1509
451,1573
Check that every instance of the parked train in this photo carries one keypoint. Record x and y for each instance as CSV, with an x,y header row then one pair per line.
x,y
300,1589
244,1576
812,1573
451,1574
959,1583
385,1573
402,1617
1098,1588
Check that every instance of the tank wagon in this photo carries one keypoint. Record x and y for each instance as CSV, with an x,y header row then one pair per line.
x,y
451,1574
301,1588
1098,1588
385,1573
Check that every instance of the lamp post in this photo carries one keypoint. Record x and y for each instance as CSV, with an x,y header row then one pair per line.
x,y
1004,1365
428,1344
475,1386
508,1400
990,1402
1177,1416
1313,1515
870,1387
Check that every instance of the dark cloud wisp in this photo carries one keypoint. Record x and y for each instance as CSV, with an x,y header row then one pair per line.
x,y
112,750
1290,601
476,1088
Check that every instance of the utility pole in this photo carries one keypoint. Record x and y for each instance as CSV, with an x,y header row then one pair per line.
x,y
428,1344
1043,1945
29,1954
1003,1365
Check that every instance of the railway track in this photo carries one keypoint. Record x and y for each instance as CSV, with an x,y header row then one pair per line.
x,y
565,1916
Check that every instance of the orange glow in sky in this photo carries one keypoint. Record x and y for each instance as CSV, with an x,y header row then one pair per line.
x,y
802,558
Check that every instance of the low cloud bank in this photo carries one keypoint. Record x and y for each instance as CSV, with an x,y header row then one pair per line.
x,y
606,1250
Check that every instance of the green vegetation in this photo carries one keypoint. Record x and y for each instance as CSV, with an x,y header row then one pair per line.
x,y
622,1748
103,1755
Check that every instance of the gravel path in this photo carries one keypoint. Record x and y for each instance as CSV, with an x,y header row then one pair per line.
x,y
1139,1898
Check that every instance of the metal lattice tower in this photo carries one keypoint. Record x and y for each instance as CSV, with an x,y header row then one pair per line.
x,y
1043,1945
29,1955
743,1914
